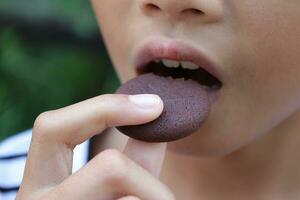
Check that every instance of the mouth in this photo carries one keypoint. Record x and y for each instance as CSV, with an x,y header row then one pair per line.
x,y
184,70
178,61
186,80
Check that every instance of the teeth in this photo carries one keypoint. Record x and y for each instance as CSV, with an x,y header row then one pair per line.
x,y
171,63
176,64
189,65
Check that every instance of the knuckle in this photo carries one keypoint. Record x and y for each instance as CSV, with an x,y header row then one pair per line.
x,y
106,101
113,99
115,166
43,124
133,198
111,103
130,198
109,99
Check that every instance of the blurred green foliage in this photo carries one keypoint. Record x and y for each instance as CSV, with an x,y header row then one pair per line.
x,y
36,76
76,14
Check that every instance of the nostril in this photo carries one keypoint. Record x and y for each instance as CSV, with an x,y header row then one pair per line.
x,y
193,11
151,7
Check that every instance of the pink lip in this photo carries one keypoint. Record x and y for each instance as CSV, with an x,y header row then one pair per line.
x,y
173,50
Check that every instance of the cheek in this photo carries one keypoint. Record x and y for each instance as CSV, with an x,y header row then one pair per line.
x,y
264,89
270,55
114,20
266,73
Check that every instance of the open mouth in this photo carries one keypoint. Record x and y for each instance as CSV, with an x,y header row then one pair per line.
x,y
187,80
181,70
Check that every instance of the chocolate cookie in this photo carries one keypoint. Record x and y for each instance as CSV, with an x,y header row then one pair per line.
x,y
186,106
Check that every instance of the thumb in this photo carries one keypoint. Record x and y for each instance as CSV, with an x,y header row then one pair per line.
x,y
148,155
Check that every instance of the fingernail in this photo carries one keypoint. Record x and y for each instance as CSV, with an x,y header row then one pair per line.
x,y
145,100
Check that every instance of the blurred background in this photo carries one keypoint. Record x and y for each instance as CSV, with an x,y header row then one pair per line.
x,y
51,56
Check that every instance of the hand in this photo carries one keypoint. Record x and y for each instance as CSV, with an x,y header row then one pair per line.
x,y
111,175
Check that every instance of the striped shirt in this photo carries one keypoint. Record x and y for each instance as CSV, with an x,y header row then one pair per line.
x,y
13,154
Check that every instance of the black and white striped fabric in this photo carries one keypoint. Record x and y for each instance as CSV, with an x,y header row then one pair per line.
x,y
13,154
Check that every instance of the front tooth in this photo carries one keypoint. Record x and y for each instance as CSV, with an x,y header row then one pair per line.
x,y
171,63
189,65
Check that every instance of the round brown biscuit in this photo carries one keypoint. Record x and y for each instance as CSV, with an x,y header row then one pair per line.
x,y
186,106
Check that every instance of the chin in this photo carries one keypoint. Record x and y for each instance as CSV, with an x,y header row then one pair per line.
x,y
206,143
184,148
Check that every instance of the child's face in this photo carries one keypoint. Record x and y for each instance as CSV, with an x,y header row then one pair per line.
x,y
255,43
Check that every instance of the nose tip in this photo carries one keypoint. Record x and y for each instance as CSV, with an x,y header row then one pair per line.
x,y
208,10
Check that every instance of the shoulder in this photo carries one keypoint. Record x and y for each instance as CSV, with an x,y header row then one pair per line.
x,y
13,154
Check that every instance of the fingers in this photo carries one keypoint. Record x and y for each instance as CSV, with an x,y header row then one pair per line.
x,y
76,123
149,155
57,132
111,175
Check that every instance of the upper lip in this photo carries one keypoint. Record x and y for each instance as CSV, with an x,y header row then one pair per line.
x,y
158,49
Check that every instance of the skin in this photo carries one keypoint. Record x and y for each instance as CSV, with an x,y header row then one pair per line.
x,y
108,176
246,148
